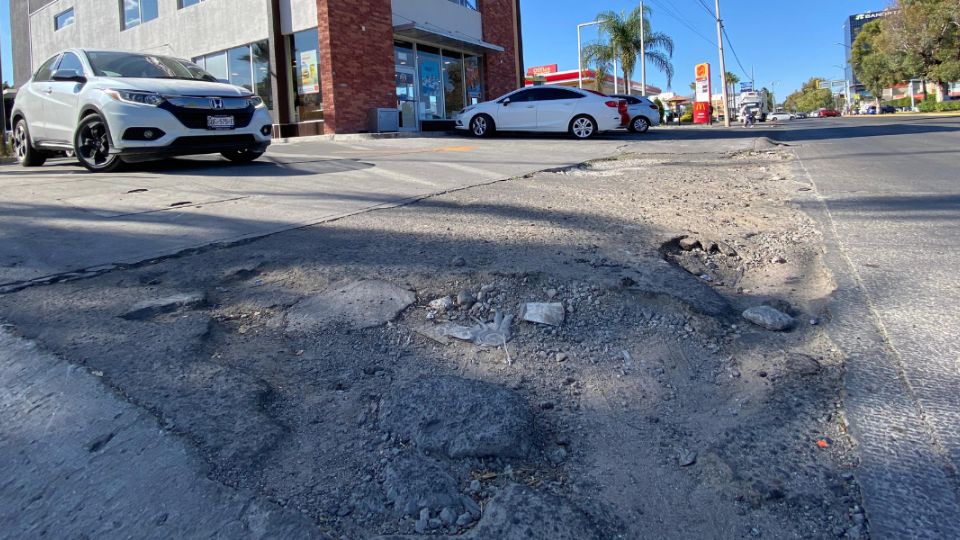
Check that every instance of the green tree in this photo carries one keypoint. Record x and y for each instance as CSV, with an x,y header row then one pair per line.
x,y
626,33
922,38
810,97
599,58
873,66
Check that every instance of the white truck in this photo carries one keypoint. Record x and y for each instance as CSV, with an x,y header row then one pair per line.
x,y
755,102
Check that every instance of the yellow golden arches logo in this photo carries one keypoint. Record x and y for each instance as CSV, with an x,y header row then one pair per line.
x,y
702,71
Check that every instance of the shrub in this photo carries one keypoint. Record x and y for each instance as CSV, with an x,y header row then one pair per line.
x,y
687,117
944,106
659,104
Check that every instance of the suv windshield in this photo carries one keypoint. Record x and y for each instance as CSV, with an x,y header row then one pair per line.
x,y
146,66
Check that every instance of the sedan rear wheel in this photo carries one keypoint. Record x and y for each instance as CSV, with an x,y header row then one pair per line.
x,y
583,127
92,145
27,155
639,125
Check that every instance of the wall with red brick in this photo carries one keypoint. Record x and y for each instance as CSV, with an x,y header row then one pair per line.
x,y
357,71
501,70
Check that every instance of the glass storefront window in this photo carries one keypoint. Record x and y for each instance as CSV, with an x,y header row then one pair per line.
x,y
453,87
305,75
403,53
474,80
240,67
261,72
216,65
428,60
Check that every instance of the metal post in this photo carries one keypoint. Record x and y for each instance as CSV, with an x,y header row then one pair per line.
x,y
616,78
723,67
3,107
643,54
579,59
913,97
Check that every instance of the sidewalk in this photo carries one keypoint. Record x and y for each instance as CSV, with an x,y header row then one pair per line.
x,y
82,462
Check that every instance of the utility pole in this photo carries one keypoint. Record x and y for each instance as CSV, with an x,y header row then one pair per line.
x,y
643,53
3,109
723,67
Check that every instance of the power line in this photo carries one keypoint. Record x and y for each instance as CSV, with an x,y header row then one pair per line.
x,y
734,51
669,10
708,10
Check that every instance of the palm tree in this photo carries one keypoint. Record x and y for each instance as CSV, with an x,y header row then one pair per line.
x,y
599,57
629,33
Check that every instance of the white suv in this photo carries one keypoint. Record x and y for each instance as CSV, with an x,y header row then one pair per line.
x,y
109,107
643,113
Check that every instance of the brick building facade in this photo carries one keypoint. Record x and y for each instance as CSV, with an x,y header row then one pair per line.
x,y
321,65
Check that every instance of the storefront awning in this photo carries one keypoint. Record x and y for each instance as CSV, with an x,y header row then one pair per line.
x,y
444,38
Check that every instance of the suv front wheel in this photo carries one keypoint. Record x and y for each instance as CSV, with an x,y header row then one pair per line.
x,y
242,156
27,155
92,145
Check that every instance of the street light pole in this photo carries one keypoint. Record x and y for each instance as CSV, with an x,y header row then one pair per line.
x,y
723,68
3,107
580,54
643,54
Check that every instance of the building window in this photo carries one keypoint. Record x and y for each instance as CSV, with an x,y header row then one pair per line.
x,y
453,87
474,78
431,88
472,4
137,12
305,75
63,19
247,66
187,3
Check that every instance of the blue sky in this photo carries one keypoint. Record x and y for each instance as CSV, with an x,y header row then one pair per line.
x,y
787,41
782,40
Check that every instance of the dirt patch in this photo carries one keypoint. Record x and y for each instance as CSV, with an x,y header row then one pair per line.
x,y
653,410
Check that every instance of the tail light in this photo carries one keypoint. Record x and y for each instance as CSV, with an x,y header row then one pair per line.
x,y
654,107
613,104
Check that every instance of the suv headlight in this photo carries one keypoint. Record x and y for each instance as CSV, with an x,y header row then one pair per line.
x,y
256,101
137,97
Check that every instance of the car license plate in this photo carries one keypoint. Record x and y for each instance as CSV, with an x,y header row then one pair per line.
x,y
219,122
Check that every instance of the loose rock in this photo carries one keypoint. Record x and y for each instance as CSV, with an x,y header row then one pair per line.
x,y
416,483
769,318
689,244
549,314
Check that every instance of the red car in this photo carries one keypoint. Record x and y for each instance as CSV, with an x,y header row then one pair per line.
x,y
828,113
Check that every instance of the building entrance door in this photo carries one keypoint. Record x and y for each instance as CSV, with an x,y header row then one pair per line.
x,y
407,97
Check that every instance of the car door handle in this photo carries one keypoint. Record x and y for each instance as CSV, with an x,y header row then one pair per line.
x,y
531,106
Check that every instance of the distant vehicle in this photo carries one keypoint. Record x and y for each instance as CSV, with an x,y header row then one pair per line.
x,y
643,113
552,109
888,109
872,109
828,113
113,106
756,103
779,116
800,116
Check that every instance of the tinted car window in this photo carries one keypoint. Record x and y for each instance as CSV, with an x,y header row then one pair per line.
x,y
559,93
148,66
70,61
43,74
534,94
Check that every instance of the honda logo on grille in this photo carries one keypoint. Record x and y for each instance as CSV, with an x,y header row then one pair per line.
x,y
217,103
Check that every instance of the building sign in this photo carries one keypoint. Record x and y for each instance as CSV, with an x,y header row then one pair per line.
x,y
541,70
870,15
746,87
701,105
309,75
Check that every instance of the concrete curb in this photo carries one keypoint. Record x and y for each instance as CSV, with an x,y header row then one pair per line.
x,y
906,482
353,137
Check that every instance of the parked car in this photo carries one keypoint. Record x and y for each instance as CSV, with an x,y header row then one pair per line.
x,y
581,113
800,116
643,113
888,109
779,116
109,107
828,113
870,109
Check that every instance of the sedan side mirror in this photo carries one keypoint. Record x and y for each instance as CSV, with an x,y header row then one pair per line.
x,y
505,102
69,75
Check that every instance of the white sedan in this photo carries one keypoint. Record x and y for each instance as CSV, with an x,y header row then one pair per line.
x,y
643,113
779,116
581,113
